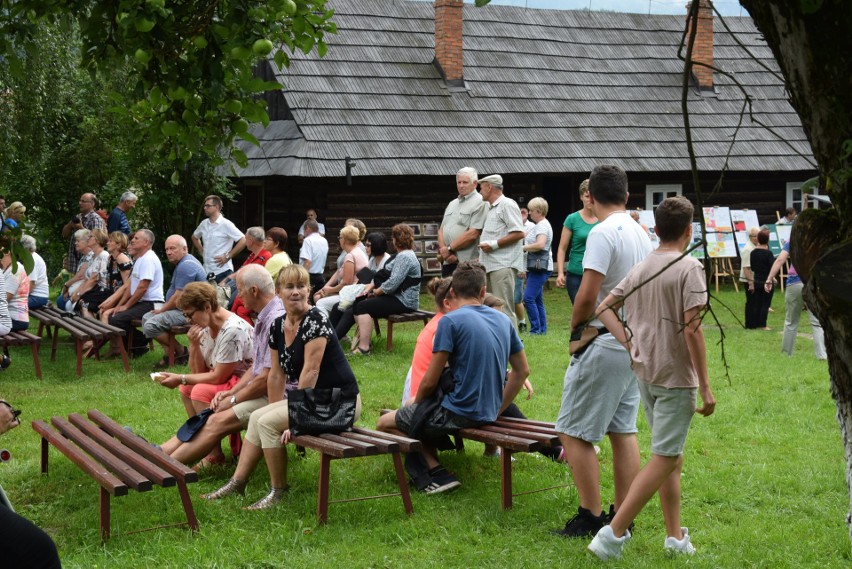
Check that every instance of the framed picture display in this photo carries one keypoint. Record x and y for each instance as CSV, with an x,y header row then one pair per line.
x,y
432,265
417,247
430,230
431,247
416,228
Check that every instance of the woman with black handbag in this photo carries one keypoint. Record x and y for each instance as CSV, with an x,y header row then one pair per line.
x,y
322,390
539,265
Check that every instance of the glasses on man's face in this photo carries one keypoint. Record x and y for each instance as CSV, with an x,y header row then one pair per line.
x,y
207,205
189,315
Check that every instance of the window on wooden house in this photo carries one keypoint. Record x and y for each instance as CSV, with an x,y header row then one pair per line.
x,y
656,193
795,196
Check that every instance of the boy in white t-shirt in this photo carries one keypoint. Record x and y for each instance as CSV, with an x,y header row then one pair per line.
x,y
663,299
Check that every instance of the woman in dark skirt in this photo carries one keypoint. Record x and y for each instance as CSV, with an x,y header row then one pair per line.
x,y
757,299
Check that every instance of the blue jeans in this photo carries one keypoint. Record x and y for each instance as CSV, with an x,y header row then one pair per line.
x,y
534,301
37,301
572,285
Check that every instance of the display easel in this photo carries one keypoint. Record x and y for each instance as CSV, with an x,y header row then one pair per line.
x,y
723,268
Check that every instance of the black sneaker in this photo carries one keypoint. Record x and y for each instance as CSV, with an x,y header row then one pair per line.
x,y
584,524
441,483
522,326
611,515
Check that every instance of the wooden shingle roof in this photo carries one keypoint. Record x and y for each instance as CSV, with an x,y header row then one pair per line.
x,y
548,91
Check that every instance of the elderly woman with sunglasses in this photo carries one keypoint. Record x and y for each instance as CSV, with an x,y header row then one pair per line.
x,y
220,350
305,353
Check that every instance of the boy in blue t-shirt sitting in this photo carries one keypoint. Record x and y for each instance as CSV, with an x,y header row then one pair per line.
x,y
478,343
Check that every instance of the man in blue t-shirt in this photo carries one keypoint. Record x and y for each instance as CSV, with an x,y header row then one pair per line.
x,y
479,344
157,323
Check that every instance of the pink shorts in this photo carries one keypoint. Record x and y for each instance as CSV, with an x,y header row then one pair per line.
x,y
204,392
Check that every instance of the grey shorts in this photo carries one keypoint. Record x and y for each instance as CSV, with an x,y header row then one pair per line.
x,y
600,394
155,324
441,422
669,413
244,409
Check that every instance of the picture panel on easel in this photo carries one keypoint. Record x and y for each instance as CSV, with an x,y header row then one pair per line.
x,y
720,232
743,220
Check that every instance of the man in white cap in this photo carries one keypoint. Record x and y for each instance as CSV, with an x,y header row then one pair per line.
x,y
501,243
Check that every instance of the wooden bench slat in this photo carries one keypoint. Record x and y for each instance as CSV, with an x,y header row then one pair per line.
x,y
151,471
512,443
526,428
364,448
87,464
384,445
143,447
118,467
325,446
544,439
529,422
405,444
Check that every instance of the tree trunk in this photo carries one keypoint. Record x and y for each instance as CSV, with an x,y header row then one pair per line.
x,y
813,46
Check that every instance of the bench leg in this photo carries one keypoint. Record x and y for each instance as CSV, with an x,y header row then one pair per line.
x,y
506,478
36,361
403,484
172,346
78,346
322,497
123,354
187,505
104,515
390,335
44,455
53,343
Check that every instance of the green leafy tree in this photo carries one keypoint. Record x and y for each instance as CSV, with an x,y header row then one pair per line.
x,y
191,62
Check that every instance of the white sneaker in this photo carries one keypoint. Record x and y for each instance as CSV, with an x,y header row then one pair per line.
x,y
673,545
606,546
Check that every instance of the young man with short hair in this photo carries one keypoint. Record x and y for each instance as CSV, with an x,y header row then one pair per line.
x,y
663,298
479,344
600,396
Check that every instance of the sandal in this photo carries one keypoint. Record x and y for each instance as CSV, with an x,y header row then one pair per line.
x,y
182,359
162,364
209,461
275,495
233,486
359,351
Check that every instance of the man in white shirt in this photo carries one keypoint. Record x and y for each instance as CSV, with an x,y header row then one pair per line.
x,y
313,253
464,217
39,286
501,248
217,239
311,214
144,294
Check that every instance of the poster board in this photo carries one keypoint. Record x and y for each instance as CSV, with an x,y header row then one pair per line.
x,y
698,253
720,232
647,219
775,243
783,231
743,220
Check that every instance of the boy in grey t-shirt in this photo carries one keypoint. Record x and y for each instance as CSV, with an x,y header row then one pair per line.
x,y
663,298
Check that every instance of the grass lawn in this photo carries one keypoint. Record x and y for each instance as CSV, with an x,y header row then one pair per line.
x,y
763,480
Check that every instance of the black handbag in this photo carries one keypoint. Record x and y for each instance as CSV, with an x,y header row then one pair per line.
x,y
537,261
315,411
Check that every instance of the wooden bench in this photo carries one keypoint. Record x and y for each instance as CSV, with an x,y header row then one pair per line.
x,y
355,443
173,333
24,338
81,328
511,436
416,316
116,459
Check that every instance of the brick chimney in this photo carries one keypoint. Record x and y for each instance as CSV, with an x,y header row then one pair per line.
x,y
702,49
448,41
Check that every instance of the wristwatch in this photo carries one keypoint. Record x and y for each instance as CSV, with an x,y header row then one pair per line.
x,y
450,249
233,400
183,379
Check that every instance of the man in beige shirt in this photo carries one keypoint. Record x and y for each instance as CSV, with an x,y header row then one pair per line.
x,y
464,218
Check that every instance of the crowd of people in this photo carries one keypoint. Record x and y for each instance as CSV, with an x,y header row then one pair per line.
x,y
274,327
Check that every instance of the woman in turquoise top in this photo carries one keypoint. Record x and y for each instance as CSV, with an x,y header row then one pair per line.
x,y
575,230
